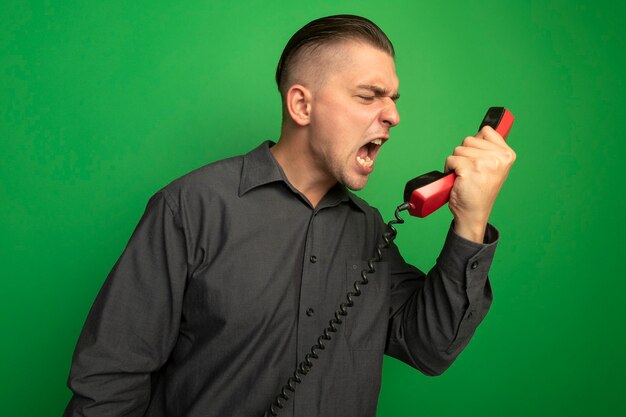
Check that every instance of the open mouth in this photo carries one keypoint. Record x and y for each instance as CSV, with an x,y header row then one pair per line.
x,y
366,155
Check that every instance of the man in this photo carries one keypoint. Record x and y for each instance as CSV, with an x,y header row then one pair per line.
x,y
235,268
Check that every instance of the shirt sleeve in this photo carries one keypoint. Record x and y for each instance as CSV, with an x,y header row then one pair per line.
x,y
133,323
433,316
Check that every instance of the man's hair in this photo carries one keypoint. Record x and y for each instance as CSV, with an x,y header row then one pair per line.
x,y
324,31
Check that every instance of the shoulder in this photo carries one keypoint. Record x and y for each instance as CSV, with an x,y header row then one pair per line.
x,y
219,178
217,174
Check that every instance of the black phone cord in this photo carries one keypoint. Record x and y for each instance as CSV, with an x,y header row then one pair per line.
x,y
333,325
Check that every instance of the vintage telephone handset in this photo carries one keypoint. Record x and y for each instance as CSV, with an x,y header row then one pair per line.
x,y
422,195
428,192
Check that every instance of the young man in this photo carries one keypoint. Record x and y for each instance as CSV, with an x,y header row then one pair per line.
x,y
235,268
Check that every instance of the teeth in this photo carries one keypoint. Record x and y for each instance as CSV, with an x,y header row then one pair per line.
x,y
366,162
377,142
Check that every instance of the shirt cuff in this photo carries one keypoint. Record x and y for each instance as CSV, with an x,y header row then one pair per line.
x,y
461,257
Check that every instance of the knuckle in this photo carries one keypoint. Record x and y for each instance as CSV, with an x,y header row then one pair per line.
x,y
509,156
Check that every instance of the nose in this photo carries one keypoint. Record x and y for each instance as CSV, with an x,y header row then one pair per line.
x,y
389,114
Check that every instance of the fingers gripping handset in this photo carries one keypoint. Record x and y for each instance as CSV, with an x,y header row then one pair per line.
x,y
427,193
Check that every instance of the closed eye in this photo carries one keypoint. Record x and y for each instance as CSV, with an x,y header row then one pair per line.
x,y
376,92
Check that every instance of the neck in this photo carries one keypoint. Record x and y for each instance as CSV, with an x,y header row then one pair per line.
x,y
303,173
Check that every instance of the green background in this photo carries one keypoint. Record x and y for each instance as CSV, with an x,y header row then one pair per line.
x,y
103,103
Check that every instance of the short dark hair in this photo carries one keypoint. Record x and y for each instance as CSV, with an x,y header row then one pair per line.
x,y
327,30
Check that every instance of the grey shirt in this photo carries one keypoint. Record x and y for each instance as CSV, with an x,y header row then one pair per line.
x,y
231,276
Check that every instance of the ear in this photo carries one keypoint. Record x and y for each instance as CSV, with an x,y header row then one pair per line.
x,y
298,101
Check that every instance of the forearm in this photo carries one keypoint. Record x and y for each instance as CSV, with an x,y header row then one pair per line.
x,y
441,312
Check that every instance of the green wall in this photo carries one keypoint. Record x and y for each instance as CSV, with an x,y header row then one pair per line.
x,y
103,103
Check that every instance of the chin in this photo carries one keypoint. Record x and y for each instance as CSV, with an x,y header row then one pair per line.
x,y
356,185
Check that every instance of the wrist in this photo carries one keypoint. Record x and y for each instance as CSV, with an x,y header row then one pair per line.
x,y
472,231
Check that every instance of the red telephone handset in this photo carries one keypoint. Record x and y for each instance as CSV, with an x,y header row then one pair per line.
x,y
430,191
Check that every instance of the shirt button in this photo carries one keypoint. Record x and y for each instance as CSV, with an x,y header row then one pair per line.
x,y
474,265
313,259
310,312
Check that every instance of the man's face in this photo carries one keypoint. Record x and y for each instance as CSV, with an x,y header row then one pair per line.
x,y
352,111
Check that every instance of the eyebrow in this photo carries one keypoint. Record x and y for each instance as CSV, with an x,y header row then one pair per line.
x,y
379,91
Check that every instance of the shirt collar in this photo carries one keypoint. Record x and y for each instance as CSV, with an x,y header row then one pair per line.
x,y
261,168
